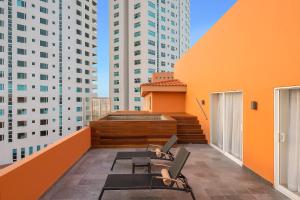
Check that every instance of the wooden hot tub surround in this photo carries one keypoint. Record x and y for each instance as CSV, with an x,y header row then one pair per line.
x,y
132,129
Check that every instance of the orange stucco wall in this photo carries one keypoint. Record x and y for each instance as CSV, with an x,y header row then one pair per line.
x,y
168,101
35,174
254,48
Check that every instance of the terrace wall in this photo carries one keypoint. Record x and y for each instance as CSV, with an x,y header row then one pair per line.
x,y
253,48
31,177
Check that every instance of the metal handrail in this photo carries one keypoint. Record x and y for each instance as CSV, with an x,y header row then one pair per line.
x,y
202,109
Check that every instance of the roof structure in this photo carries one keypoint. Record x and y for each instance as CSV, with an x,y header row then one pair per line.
x,y
174,85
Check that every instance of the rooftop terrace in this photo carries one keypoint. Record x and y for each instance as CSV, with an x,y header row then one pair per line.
x,y
212,176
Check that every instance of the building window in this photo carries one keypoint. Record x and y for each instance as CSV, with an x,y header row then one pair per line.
x,y
30,150
22,76
43,77
21,27
22,152
14,155
151,4
152,24
44,122
22,136
137,80
137,24
137,71
43,32
78,119
44,111
22,87
137,15
21,99
137,89
151,33
21,39
44,21
116,6
22,123
137,34
43,10
44,88
21,3
116,82
43,99
151,14
43,55
151,61
44,133
21,15
78,90
43,66
138,5
137,108
43,43
22,111
21,51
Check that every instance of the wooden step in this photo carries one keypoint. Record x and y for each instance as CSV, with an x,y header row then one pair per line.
x,y
189,141
189,126
186,122
178,117
190,131
191,136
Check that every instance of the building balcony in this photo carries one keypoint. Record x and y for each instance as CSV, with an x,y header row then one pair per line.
x,y
72,169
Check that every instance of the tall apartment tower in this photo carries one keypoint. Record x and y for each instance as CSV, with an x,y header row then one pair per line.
x,y
47,73
146,36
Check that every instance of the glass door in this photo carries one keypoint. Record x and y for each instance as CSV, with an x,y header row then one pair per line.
x,y
226,124
288,173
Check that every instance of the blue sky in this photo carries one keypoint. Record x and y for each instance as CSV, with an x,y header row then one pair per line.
x,y
204,14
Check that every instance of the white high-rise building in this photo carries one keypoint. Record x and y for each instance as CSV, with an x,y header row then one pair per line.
x,y
47,73
146,36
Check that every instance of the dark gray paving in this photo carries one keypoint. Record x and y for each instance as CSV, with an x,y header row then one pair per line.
x,y
212,176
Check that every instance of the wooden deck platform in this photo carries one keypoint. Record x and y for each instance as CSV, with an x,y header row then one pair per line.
x,y
114,131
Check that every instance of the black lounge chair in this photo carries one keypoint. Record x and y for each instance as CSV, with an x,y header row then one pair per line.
x,y
165,152
152,181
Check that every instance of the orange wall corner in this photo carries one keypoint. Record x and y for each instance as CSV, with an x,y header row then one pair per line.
x,y
31,177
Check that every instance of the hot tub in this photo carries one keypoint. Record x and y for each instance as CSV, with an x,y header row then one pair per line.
x,y
136,117
132,130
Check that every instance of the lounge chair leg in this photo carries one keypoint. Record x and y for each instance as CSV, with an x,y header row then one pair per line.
x,y
101,194
112,167
193,196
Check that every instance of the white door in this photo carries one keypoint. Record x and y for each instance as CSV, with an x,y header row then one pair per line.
x,y
217,109
226,124
287,142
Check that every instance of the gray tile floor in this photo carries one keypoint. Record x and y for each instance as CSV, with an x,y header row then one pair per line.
x,y
211,175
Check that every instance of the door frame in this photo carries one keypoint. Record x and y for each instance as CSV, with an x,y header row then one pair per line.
x,y
277,185
231,157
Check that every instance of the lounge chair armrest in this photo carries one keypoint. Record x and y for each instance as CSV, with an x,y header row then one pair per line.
x,y
160,165
153,146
